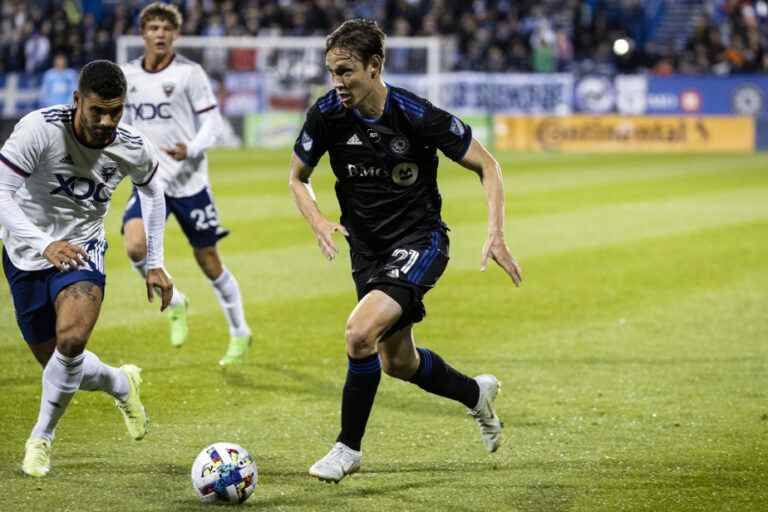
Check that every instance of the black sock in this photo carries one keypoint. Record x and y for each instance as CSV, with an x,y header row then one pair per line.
x,y
363,376
437,377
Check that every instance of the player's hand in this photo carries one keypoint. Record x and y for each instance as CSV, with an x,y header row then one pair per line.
x,y
158,280
65,256
324,231
177,152
495,247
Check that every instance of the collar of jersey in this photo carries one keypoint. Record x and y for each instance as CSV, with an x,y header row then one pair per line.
x,y
144,59
374,120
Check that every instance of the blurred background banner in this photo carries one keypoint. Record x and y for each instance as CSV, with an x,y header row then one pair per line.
x,y
614,133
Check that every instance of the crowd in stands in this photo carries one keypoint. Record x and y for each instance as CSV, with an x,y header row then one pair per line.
x,y
730,36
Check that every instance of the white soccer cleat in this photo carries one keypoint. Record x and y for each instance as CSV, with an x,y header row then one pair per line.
x,y
37,457
136,418
340,462
485,416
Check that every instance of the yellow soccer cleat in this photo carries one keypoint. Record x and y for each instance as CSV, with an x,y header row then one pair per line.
x,y
37,457
136,418
238,346
177,316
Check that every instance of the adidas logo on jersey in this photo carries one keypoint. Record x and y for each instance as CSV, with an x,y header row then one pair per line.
x,y
354,140
67,160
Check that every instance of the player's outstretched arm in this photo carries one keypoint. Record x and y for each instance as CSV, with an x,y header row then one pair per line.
x,y
480,161
152,201
298,181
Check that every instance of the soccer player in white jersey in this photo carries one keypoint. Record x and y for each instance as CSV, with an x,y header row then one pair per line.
x,y
58,170
171,101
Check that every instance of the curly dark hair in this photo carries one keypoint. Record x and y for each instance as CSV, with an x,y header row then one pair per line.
x,y
102,77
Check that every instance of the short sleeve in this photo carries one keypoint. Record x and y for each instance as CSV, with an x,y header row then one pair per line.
x,y
447,132
310,144
200,92
22,151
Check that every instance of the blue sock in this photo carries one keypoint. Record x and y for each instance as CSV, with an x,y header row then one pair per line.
x,y
363,376
436,376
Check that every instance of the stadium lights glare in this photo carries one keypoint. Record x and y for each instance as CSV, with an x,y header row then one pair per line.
x,y
621,47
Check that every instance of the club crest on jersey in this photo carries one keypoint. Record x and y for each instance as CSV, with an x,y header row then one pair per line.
x,y
306,141
168,88
457,127
405,174
107,171
374,135
400,145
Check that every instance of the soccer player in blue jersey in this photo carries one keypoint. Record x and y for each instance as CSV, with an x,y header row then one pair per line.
x,y
382,142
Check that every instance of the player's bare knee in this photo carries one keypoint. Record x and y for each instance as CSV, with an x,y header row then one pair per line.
x,y
71,344
360,341
136,252
209,262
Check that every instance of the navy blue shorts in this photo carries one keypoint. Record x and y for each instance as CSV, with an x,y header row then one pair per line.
x,y
406,274
34,292
196,215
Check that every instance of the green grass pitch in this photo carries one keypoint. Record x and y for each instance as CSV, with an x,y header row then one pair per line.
x,y
633,358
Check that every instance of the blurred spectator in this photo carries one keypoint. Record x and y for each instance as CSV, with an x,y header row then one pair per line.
x,y
728,36
59,83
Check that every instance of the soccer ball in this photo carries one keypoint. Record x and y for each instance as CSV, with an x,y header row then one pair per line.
x,y
224,473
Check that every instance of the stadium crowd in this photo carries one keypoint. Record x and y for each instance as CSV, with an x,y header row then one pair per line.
x,y
729,36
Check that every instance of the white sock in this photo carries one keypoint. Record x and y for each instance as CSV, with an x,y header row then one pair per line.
x,y
98,376
228,292
141,267
61,378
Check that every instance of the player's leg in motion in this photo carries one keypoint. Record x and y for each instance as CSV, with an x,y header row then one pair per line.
x,y
401,359
228,292
77,308
370,319
135,242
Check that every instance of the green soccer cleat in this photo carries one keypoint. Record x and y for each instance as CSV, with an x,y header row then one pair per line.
x,y
238,346
136,418
37,457
177,316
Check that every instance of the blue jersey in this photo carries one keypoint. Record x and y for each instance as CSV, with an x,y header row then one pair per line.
x,y
386,168
57,87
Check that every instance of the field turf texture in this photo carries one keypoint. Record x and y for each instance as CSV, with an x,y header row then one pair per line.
x,y
634,358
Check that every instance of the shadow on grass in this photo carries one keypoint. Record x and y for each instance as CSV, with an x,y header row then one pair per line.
x,y
307,383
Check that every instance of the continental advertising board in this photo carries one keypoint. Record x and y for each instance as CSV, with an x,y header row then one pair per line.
x,y
613,133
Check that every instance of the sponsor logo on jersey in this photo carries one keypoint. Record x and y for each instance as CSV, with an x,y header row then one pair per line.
x,y
365,171
457,127
354,140
168,88
149,111
306,141
400,145
81,189
405,174
374,135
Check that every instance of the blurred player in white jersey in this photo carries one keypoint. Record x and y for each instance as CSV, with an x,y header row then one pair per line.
x,y
58,170
171,101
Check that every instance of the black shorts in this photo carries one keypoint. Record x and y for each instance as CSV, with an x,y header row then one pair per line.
x,y
406,273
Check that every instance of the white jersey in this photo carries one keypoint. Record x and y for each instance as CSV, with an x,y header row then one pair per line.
x,y
68,184
164,105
